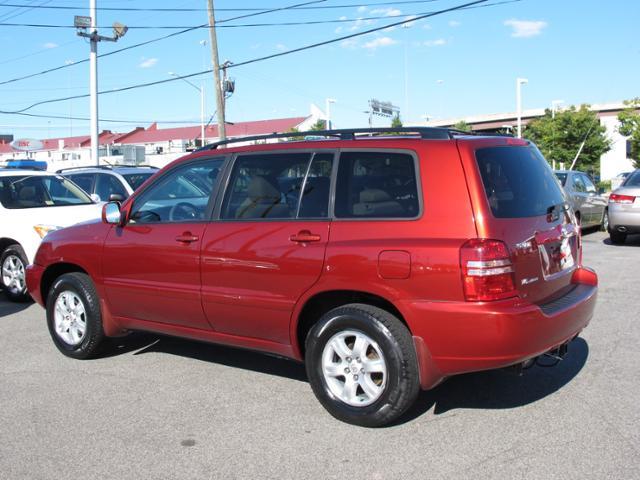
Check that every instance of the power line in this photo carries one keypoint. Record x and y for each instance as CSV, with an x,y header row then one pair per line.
x,y
153,40
255,60
174,9
106,120
406,16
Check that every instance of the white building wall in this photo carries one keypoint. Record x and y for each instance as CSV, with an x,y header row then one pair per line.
x,y
615,161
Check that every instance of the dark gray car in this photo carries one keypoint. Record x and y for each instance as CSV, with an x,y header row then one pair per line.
x,y
588,204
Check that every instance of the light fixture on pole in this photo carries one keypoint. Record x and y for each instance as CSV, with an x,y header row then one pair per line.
x,y
119,30
519,83
201,90
328,103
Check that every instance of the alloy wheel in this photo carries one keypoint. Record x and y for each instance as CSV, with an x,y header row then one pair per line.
x,y
70,318
13,276
354,368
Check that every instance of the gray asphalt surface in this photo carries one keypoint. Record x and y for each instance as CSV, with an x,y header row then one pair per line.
x,y
163,408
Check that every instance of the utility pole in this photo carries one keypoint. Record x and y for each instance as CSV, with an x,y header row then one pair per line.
x,y
119,30
217,84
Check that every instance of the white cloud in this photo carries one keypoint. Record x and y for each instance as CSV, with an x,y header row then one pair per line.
x,y
281,47
435,43
386,12
454,23
50,45
525,28
349,43
359,23
362,9
148,63
379,42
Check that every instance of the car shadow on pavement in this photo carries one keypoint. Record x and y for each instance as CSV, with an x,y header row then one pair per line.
x,y
632,241
501,389
9,308
209,352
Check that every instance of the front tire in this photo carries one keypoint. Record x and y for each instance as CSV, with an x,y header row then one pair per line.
x,y
13,264
73,316
362,365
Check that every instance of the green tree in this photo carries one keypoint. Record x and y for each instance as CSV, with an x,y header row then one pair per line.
x,y
319,125
560,138
462,126
396,122
629,120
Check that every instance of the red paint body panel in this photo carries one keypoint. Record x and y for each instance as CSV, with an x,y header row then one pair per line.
x,y
253,274
245,283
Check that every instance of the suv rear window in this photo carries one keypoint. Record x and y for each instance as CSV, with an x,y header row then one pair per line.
x,y
518,181
376,185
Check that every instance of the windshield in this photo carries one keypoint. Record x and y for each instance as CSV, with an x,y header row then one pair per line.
x,y
137,179
562,177
518,181
633,180
38,191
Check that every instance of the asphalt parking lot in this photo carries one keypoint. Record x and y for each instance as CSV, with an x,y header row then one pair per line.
x,y
162,408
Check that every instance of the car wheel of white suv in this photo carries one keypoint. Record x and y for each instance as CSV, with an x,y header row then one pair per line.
x,y
14,263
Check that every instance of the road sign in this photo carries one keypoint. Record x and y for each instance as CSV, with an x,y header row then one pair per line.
x,y
81,22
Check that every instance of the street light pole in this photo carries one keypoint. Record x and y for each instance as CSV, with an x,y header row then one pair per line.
x,y
93,81
201,90
519,83
328,103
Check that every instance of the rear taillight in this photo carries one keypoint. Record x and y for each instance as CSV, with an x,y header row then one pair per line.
x,y
487,271
617,198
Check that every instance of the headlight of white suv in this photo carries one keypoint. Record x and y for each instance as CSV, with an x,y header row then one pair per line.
x,y
42,230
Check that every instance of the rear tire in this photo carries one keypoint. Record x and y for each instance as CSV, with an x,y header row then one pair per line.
x,y
617,238
362,365
73,316
13,264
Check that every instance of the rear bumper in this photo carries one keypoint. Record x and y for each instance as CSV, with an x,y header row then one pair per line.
x,y
34,280
464,337
624,218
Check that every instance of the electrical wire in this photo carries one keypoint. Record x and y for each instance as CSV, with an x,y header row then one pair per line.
x,y
174,9
248,62
153,40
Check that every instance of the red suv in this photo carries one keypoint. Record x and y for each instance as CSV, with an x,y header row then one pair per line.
x,y
386,263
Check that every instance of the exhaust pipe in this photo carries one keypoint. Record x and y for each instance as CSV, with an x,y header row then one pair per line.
x,y
622,229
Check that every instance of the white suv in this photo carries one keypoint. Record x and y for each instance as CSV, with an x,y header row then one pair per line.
x,y
33,203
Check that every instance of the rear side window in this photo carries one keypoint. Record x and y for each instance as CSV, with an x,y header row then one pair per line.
x,y
518,181
376,185
107,185
83,180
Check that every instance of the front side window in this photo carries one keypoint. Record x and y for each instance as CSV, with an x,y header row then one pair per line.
x,y
107,185
265,186
578,184
37,191
179,196
589,186
376,185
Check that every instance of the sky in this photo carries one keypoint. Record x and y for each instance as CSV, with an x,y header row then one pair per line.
x,y
456,64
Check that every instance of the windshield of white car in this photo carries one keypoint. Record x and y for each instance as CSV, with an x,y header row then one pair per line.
x,y
40,191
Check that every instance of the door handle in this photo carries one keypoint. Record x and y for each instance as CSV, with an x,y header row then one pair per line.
x,y
187,237
305,236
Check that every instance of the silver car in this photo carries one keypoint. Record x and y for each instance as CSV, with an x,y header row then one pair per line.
x,y
587,202
624,209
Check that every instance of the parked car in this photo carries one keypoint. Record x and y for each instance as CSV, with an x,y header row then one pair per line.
x,y
589,205
385,263
109,183
32,204
624,209
619,179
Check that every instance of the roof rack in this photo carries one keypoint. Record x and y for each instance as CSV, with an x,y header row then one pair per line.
x,y
105,167
425,133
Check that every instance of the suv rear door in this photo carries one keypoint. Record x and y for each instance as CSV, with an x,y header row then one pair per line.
x,y
518,201
268,244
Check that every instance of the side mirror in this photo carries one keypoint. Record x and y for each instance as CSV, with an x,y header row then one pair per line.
x,y
116,197
95,198
111,213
